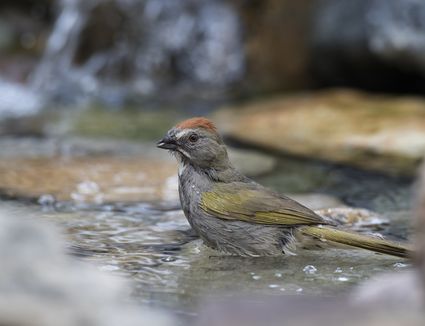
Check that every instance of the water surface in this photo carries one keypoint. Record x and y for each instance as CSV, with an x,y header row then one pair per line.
x,y
170,268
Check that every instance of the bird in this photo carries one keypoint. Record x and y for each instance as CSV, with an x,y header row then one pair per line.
x,y
235,215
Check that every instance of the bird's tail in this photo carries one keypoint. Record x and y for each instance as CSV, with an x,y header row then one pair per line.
x,y
351,239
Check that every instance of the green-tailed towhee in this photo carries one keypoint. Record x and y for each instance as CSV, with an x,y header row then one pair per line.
x,y
234,214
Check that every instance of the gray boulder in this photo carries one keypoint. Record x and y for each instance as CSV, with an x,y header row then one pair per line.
x,y
41,286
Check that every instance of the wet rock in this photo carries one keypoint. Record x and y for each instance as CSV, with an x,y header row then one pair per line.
x,y
374,132
54,288
377,45
86,171
99,180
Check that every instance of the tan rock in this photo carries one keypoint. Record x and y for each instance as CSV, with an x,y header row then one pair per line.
x,y
98,179
375,132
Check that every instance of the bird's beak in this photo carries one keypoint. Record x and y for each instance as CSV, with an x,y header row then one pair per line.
x,y
167,143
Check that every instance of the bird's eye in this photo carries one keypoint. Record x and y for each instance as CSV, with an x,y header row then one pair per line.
x,y
193,138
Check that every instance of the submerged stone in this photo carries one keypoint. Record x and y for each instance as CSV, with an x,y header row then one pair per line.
x,y
384,133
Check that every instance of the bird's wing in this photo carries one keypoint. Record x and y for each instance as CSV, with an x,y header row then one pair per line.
x,y
252,203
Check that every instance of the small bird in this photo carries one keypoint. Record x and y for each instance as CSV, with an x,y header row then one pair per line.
x,y
235,215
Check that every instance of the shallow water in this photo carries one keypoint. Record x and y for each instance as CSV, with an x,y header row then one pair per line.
x,y
171,269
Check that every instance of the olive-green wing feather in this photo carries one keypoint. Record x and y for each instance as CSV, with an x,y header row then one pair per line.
x,y
252,203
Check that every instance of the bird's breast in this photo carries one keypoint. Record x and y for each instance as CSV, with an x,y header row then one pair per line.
x,y
190,192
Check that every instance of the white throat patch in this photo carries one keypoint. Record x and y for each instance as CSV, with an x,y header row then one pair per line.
x,y
182,167
184,152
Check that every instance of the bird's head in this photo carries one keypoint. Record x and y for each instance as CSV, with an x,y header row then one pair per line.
x,y
197,142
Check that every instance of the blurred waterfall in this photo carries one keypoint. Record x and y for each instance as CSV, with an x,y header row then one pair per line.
x,y
56,74
166,47
16,100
